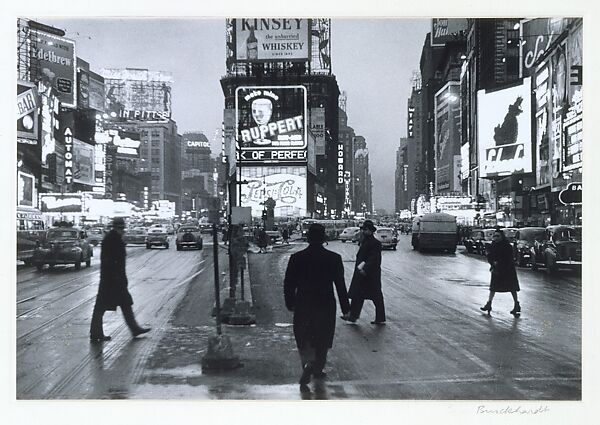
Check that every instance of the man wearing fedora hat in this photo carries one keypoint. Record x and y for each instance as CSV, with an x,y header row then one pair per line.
x,y
112,291
308,286
366,280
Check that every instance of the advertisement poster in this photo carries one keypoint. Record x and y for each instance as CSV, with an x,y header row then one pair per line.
x,y
60,203
259,39
271,124
504,130
27,116
83,163
287,189
447,137
138,94
25,188
97,97
446,29
537,36
317,128
56,58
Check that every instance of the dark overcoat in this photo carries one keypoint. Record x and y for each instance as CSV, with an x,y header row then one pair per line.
x,y
112,291
308,291
367,285
504,274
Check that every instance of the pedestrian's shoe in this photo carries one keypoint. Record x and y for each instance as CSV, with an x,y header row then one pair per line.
x,y
378,322
487,307
140,331
306,372
100,338
516,309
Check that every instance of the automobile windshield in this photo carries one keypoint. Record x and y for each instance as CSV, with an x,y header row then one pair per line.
x,y
532,235
62,234
187,229
384,232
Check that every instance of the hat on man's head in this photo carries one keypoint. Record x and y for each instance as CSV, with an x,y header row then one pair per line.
x,y
368,224
118,222
316,233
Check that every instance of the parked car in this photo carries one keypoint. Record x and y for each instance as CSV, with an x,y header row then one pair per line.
x,y
188,237
349,234
510,233
136,235
524,244
157,236
63,245
387,236
471,241
561,249
486,241
95,235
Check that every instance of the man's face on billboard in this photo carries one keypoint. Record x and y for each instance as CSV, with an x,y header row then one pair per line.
x,y
262,109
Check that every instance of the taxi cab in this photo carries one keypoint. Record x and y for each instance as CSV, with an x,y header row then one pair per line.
x,y
63,244
189,236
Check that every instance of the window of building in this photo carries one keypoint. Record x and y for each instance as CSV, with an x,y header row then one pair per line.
x,y
155,152
156,160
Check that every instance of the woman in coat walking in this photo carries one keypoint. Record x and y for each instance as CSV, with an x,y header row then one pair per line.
x,y
112,291
366,280
308,286
504,274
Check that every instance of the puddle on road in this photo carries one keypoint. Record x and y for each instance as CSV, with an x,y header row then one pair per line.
x,y
192,371
465,282
283,325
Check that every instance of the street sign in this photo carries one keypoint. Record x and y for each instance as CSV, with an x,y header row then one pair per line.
x,y
571,195
241,215
213,210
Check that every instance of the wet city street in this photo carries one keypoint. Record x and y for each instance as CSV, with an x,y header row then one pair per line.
x,y
436,344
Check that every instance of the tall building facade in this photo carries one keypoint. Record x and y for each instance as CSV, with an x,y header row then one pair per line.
x,y
362,198
281,117
197,166
346,140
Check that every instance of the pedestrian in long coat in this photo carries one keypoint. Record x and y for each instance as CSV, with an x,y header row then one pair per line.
x,y
366,280
112,291
308,285
263,240
503,271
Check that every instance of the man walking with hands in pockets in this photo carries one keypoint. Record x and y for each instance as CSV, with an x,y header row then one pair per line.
x,y
366,281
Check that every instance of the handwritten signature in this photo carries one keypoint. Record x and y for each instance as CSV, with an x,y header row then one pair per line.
x,y
508,410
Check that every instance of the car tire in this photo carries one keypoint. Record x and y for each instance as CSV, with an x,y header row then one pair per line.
x,y
148,246
77,265
534,265
88,262
394,247
343,241
39,267
550,268
167,246
178,247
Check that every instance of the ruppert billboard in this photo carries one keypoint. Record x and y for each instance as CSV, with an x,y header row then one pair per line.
x,y
504,130
271,124
277,39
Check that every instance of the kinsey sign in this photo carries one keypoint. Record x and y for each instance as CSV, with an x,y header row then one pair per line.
x,y
271,123
271,39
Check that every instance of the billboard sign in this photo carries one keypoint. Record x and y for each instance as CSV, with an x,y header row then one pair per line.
x,y
97,98
504,130
57,68
83,163
287,190
25,188
138,94
317,128
27,115
271,124
60,203
537,36
446,29
278,39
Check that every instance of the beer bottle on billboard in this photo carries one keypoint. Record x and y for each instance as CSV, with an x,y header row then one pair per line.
x,y
252,46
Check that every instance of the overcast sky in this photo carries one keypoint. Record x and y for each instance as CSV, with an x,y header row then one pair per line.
x,y
373,60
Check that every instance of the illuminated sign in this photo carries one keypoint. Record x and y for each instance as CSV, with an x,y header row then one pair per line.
x,y
340,163
537,36
83,167
68,156
25,189
288,191
270,124
572,195
446,29
55,57
573,134
411,115
56,202
27,116
504,130
197,144
279,39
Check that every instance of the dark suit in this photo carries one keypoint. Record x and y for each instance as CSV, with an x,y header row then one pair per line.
x,y
308,291
367,286
112,291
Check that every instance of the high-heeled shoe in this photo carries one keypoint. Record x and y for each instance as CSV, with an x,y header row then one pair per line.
x,y
516,310
487,307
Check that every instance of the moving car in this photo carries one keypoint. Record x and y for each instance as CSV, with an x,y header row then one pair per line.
x,y
63,245
188,237
137,235
524,244
95,235
157,236
561,249
349,234
387,237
